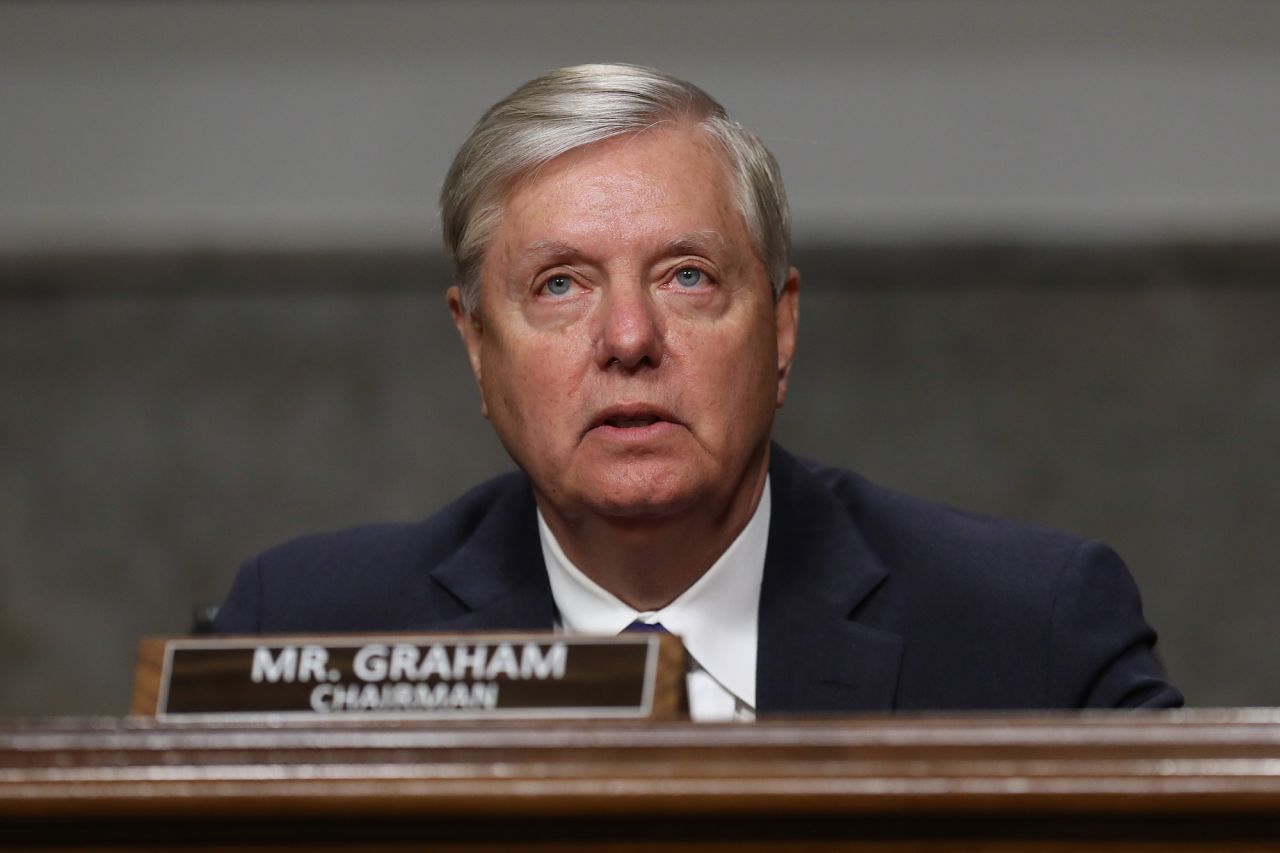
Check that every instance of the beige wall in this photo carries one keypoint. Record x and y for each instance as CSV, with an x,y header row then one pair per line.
x,y
332,122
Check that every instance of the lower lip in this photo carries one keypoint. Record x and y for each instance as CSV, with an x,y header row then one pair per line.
x,y
631,435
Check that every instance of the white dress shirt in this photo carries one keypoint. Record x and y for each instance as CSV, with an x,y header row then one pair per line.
x,y
717,617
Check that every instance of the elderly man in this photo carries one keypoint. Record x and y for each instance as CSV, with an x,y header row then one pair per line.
x,y
628,310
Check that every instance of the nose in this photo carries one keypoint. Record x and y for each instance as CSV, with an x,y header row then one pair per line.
x,y
630,333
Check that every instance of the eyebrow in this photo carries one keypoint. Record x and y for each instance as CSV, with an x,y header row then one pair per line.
x,y
553,248
695,243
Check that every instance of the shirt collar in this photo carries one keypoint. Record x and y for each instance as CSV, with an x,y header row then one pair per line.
x,y
717,617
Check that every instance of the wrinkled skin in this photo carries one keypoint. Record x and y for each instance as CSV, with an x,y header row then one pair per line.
x,y
628,347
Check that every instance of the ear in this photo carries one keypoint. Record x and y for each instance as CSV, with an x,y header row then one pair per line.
x,y
787,320
471,330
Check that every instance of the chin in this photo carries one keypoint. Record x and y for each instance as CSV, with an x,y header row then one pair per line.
x,y
643,494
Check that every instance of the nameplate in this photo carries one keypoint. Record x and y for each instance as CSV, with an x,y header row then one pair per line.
x,y
456,676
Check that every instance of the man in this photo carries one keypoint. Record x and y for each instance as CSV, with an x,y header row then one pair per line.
x,y
627,306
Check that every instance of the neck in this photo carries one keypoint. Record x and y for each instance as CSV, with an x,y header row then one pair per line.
x,y
648,562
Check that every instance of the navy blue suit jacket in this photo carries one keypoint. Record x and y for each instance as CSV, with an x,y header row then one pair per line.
x,y
871,600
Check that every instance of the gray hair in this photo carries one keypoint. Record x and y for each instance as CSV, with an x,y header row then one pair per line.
x,y
581,105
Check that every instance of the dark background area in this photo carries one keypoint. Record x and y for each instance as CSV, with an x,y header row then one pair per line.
x,y
166,417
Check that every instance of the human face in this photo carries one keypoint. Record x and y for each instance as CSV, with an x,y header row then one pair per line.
x,y
627,345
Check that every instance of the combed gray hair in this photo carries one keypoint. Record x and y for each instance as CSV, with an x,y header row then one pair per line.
x,y
581,105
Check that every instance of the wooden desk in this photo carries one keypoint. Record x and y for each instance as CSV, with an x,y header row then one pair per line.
x,y
1206,780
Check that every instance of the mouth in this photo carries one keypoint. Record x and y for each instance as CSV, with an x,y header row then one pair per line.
x,y
631,423
630,418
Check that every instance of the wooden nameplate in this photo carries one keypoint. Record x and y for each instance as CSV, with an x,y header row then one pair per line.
x,y
411,676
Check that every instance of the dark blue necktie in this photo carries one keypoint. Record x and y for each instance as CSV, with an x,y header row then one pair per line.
x,y
639,627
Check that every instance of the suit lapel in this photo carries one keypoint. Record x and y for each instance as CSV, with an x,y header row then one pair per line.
x,y
497,576
812,656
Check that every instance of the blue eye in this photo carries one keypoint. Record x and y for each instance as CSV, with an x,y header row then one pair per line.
x,y
689,277
558,285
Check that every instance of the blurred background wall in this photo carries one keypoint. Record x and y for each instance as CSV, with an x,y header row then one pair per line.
x,y
1039,243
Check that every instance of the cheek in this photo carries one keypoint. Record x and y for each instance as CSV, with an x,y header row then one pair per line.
x,y
533,380
730,371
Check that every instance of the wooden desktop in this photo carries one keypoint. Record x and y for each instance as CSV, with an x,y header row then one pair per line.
x,y
1185,780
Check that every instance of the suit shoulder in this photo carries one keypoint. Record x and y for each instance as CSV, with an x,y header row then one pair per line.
x,y
392,545
895,510
358,578
991,613
913,535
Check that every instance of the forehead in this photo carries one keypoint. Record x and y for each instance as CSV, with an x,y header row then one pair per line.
x,y
658,183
